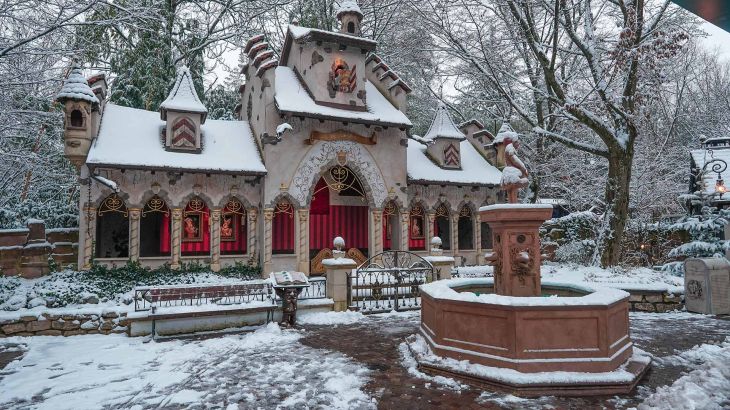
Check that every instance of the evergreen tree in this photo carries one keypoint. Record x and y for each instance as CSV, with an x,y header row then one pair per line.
x,y
706,232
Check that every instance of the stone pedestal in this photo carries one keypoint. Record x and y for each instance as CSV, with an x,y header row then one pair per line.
x,y
443,265
337,271
516,246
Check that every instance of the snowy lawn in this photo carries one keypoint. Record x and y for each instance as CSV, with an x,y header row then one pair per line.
x,y
262,369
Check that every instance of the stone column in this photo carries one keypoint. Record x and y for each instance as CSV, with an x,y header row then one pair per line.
x,y
268,240
516,253
404,230
454,233
430,218
376,233
302,240
89,235
252,215
176,237
215,240
478,238
337,271
134,216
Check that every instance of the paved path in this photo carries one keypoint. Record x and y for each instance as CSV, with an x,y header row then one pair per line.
x,y
375,341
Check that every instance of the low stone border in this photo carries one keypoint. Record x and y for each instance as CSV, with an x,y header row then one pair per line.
x,y
655,302
50,324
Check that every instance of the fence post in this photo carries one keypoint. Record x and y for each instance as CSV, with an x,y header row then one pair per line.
x,y
337,271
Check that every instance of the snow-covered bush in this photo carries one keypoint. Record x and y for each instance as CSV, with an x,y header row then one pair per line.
x,y
102,284
573,235
705,232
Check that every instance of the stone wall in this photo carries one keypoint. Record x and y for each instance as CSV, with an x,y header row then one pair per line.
x,y
658,302
51,324
26,251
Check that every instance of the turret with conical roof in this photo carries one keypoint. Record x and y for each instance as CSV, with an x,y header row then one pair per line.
x,y
446,137
79,101
184,113
350,17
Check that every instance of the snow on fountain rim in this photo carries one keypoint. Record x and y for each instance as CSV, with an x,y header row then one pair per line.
x,y
514,206
443,289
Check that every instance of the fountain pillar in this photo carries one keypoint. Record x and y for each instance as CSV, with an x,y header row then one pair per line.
x,y
515,252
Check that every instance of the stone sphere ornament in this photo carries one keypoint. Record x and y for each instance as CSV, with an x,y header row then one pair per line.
x,y
436,243
339,245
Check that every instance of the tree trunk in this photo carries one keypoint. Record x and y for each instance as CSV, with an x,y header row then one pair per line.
x,y
610,235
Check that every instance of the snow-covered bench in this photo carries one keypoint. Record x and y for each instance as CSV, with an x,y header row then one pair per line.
x,y
224,304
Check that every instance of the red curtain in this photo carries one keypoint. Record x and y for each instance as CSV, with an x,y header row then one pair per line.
x,y
202,245
349,222
283,232
416,244
239,245
328,221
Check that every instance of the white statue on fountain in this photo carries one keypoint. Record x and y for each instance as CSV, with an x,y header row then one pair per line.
x,y
514,174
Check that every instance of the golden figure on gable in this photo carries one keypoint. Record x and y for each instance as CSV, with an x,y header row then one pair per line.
x,y
341,78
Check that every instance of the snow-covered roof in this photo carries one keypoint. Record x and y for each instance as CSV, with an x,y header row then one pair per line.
x,y
292,97
300,32
701,156
475,170
131,138
183,96
76,88
349,6
443,126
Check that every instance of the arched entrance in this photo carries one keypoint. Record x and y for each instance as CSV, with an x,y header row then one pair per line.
x,y
339,207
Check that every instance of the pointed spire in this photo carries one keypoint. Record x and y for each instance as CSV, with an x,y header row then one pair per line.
x,y
443,126
183,96
76,88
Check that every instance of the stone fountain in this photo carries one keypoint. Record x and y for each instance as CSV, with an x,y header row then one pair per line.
x,y
512,332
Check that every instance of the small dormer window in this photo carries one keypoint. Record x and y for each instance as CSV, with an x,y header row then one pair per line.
x,y
77,119
351,27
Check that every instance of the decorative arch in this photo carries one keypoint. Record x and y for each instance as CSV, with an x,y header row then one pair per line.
x,y
417,226
392,225
187,198
442,223
282,226
234,227
112,228
323,156
155,228
196,227
465,225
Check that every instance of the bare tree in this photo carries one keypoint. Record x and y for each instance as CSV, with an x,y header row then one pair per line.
x,y
581,73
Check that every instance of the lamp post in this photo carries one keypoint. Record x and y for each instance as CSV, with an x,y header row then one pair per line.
x,y
719,166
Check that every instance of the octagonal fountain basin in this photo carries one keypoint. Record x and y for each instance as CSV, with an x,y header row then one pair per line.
x,y
571,328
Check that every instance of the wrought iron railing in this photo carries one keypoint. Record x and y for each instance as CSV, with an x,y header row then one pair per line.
x,y
389,281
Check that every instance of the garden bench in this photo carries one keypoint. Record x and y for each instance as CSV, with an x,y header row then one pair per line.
x,y
196,301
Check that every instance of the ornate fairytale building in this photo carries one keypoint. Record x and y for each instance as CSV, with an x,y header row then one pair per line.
x,y
321,148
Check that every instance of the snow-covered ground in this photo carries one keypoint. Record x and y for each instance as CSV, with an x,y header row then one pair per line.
x,y
310,368
626,279
262,369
